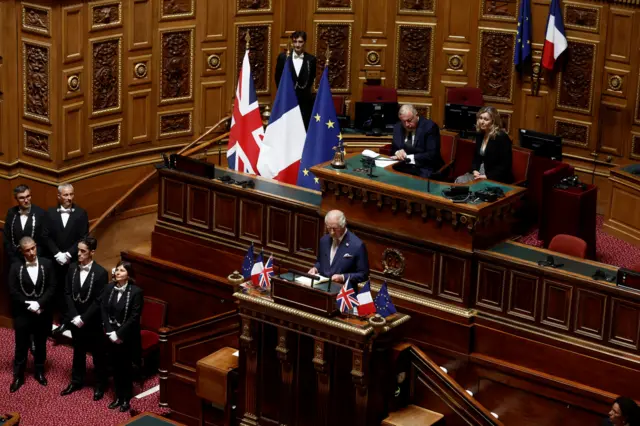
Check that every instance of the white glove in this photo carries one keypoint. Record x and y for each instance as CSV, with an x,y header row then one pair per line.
x,y
33,306
61,258
77,321
67,256
114,337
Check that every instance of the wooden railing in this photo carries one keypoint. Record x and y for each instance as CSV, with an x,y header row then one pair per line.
x,y
190,149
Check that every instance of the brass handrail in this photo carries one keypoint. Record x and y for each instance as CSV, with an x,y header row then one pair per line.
x,y
187,150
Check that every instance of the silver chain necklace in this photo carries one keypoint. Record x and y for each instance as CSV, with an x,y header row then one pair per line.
x,y
113,321
33,228
35,285
77,298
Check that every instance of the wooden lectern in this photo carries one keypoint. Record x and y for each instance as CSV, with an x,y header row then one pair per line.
x,y
304,368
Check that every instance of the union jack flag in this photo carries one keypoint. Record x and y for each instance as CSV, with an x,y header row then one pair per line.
x,y
246,132
265,275
347,298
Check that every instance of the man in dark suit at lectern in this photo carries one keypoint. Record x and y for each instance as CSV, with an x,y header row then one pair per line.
x,y
341,254
303,71
416,142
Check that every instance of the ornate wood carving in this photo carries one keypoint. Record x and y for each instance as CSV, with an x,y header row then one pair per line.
x,y
337,36
176,66
35,81
259,54
105,136
506,119
417,6
423,109
334,5
177,9
636,116
36,19
506,10
635,146
495,64
414,63
175,124
248,6
107,75
37,143
582,17
575,88
106,15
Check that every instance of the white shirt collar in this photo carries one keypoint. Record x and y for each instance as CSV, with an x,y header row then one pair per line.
x,y
341,238
87,266
121,289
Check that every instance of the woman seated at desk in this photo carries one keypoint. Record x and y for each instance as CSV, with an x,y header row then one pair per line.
x,y
492,159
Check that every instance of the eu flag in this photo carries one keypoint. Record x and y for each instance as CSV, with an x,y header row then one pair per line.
x,y
247,263
384,305
523,38
322,136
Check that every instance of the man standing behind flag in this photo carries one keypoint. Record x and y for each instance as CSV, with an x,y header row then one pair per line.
x,y
246,132
323,136
284,138
523,42
555,40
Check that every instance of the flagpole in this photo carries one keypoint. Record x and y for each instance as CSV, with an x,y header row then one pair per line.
x,y
247,39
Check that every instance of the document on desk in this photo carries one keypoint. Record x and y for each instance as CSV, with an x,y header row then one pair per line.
x,y
307,281
380,160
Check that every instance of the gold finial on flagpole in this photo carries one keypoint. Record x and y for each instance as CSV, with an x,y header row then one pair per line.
x,y
289,47
327,54
247,39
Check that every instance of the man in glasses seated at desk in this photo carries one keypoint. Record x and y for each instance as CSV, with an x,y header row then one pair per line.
x,y
341,255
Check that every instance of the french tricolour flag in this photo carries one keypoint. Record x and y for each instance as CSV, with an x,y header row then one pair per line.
x,y
366,301
285,135
555,41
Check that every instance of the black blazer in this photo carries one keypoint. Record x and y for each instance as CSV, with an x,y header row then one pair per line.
x,y
45,284
304,81
65,239
426,148
129,318
88,298
497,158
13,232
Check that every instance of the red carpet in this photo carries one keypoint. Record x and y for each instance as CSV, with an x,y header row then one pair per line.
x,y
40,406
609,250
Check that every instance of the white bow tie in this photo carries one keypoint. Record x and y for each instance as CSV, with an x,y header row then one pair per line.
x,y
63,210
85,268
120,289
296,56
25,212
29,264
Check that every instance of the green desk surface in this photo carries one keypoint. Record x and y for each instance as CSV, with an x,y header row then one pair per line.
x,y
147,420
533,254
390,177
631,168
327,286
275,188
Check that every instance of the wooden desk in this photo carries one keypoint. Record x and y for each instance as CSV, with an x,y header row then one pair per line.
x,y
415,207
299,368
622,219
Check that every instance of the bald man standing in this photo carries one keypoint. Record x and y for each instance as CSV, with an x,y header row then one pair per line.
x,y
341,254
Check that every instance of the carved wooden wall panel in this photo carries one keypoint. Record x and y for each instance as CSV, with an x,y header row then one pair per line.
x,y
176,65
582,17
72,33
575,82
452,277
253,6
173,199
307,235
177,9
635,146
620,37
293,15
334,6
279,227
175,123
251,221
36,142
106,135
224,214
495,70
213,103
500,10
590,314
375,18
614,130
337,37
139,117
36,80
523,296
199,203
72,130
106,75
36,19
259,54
105,14
215,29
491,287
557,300
573,132
459,20
417,7
624,323
414,58
141,36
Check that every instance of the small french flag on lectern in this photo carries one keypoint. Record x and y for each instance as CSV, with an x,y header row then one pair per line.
x,y
555,40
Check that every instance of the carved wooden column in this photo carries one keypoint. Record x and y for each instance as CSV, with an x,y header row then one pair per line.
x,y
249,348
323,383
286,375
359,370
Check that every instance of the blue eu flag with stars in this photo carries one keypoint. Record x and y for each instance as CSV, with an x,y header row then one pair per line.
x,y
384,305
322,136
523,38
247,263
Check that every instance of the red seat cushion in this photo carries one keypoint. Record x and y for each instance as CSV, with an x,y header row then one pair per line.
x,y
569,245
465,96
148,339
520,164
465,150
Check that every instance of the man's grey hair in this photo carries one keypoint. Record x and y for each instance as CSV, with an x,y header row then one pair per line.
x,y
64,186
26,240
407,108
337,214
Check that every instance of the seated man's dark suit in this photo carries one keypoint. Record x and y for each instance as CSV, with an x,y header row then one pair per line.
x,y
25,322
425,146
350,259
13,232
86,301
